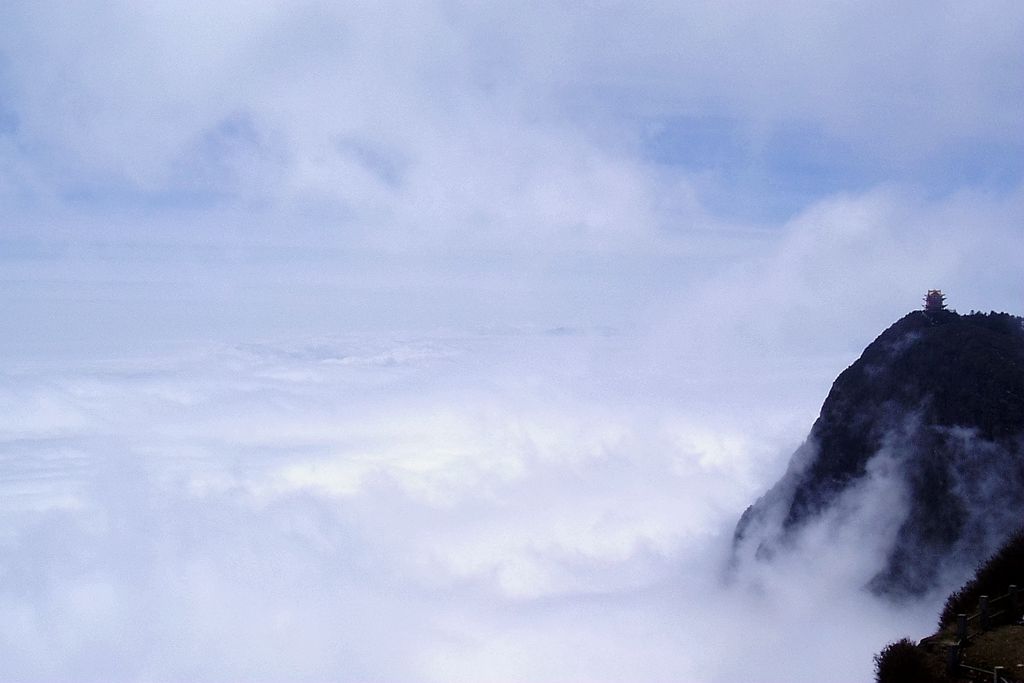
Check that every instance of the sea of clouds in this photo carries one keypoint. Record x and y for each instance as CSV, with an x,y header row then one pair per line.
x,y
441,341
513,505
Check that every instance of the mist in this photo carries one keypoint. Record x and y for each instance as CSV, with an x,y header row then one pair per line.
x,y
437,342
418,509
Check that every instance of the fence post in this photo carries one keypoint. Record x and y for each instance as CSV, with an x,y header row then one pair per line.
x,y
995,673
983,610
961,627
1014,602
953,661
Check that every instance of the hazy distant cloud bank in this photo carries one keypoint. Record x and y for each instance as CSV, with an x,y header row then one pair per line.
x,y
231,168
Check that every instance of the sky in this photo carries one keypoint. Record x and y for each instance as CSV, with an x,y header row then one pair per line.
x,y
436,341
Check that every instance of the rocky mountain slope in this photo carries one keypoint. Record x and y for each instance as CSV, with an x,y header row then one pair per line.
x,y
935,407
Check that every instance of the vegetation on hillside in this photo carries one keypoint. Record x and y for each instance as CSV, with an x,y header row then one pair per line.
x,y
925,662
905,662
993,578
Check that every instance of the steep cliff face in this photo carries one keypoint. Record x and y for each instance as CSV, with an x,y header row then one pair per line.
x,y
935,405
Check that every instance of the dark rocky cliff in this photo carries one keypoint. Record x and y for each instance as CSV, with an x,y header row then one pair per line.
x,y
940,396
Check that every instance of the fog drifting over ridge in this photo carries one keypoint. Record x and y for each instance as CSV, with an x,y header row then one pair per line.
x,y
430,341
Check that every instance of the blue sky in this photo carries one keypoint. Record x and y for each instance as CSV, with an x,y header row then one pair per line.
x,y
418,339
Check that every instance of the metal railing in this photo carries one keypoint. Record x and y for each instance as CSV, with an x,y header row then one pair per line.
x,y
995,672
1004,609
991,611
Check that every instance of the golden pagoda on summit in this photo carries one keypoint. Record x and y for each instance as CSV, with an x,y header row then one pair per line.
x,y
934,300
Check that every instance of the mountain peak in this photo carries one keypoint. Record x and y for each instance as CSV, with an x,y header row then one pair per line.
x,y
939,397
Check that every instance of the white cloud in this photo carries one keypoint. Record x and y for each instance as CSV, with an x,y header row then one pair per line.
x,y
605,364
277,511
121,96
